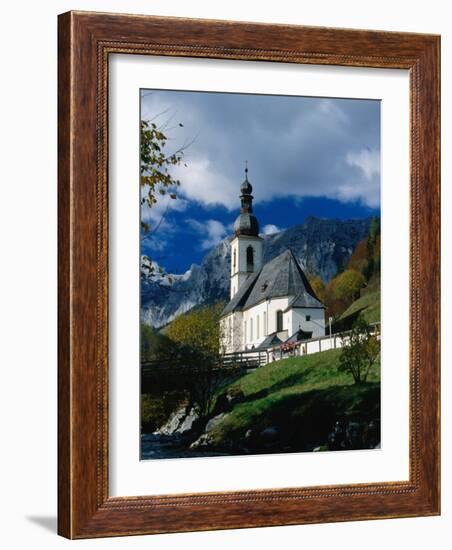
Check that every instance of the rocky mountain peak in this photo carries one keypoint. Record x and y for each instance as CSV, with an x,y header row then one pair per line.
x,y
321,246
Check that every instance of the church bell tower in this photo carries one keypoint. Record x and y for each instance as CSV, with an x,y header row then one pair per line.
x,y
246,246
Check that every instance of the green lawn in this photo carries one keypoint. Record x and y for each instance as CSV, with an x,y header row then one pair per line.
x,y
302,397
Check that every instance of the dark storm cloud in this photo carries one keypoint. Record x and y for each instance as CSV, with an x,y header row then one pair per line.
x,y
301,147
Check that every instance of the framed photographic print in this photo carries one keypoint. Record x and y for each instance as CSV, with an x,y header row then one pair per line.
x,y
248,275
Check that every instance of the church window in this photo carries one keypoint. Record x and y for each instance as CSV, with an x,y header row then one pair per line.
x,y
251,329
234,256
244,330
250,258
279,321
265,323
257,327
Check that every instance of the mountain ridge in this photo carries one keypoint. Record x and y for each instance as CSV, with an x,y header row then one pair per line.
x,y
321,246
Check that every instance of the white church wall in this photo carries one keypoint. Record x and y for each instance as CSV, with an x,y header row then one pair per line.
x,y
316,324
237,331
262,318
254,319
231,333
243,330
225,341
239,271
274,305
242,243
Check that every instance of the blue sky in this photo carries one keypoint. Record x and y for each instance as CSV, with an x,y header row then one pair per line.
x,y
306,157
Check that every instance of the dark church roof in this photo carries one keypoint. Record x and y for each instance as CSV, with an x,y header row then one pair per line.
x,y
280,277
270,340
246,224
299,336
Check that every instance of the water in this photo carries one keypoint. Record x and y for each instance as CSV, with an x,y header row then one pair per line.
x,y
170,446
174,446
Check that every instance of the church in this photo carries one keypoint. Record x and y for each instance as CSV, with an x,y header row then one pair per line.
x,y
269,303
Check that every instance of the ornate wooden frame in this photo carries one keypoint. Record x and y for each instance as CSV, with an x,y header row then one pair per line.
x,y
85,42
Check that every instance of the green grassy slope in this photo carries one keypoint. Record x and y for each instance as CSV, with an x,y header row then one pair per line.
x,y
368,305
301,397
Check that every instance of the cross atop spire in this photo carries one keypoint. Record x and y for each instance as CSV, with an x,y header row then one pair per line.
x,y
245,191
246,223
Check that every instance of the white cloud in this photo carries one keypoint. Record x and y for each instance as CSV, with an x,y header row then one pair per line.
x,y
365,189
368,160
159,221
212,232
306,147
270,229
333,111
201,182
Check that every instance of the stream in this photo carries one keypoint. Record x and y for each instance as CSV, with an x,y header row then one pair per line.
x,y
170,446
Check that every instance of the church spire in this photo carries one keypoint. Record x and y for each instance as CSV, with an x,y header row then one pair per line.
x,y
246,223
245,194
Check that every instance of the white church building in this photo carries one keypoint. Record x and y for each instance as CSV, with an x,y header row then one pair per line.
x,y
269,303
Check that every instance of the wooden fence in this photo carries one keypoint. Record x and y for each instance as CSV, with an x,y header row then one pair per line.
x,y
248,359
254,358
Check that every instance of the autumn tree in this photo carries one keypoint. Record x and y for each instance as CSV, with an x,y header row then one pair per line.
x,y
155,164
198,332
366,256
157,346
362,270
348,284
359,258
198,329
360,352
373,249
318,286
146,340
374,231
156,180
341,291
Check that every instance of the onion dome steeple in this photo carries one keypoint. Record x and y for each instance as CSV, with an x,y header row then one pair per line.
x,y
246,188
246,223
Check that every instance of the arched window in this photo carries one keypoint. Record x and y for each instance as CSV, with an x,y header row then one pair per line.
x,y
265,323
234,258
250,258
279,321
251,329
257,327
244,332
